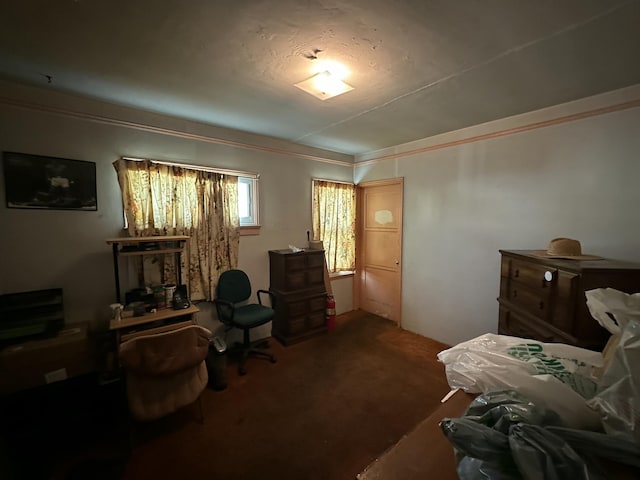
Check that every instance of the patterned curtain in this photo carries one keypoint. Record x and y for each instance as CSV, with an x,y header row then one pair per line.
x,y
334,222
162,199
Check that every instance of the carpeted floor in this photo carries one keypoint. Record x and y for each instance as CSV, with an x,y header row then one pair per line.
x,y
328,408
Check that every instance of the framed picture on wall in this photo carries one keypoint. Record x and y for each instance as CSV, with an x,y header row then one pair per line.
x,y
36,181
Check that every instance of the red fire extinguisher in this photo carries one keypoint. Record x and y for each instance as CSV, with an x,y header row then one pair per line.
x,y
331,313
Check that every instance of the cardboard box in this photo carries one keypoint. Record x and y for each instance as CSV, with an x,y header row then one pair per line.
x,y
42,361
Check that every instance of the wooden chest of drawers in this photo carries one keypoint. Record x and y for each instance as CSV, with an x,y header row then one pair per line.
x,y
297,282
544,299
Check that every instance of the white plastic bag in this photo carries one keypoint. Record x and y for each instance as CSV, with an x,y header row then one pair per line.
x,y
613,308
618,396
480,363
557,376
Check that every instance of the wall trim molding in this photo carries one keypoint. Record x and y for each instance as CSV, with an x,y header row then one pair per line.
x,y
163,131
248,146
508,131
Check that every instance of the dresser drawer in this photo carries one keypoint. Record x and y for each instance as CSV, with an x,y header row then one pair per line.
x,y
545,297
303,323
307,278
296,309
545,292
512,324
525,285
297,324
530,274
315,276
538,276
295,262
318,303
303,261
553,305
535,301
299,305
295,280
299,280
316,320
315,259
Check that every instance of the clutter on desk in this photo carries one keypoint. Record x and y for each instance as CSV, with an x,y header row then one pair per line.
x,y
116,311
180,298
140,301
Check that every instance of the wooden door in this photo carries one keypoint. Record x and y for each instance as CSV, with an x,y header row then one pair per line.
x,y
378,280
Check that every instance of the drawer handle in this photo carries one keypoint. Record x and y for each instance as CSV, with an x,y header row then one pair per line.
x,y
548,276
515,293
516,274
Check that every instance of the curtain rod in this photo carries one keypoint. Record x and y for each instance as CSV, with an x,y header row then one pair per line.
x,y
332,181
226,171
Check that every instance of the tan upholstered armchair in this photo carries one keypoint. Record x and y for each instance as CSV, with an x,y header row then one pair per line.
x,y
165,371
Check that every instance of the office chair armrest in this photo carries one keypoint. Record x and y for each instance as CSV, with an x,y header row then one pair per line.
x,y
225,310
267,292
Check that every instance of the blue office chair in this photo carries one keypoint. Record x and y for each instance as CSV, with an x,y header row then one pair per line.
x,y
232,294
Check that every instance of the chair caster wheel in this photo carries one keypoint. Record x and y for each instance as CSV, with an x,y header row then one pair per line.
x,y
274,359
242,371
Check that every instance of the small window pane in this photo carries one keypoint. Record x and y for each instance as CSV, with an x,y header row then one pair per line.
x,y
244,200
247,205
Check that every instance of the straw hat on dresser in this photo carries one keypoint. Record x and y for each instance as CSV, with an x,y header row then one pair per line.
x,y
565,248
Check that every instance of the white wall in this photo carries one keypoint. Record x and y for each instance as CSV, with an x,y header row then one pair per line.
x,y
579,179
47,249
462,203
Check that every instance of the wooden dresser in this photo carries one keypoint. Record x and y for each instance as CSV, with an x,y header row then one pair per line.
x,y
544,299
297,282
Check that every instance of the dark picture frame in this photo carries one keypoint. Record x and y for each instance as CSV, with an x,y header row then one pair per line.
x,y
52,183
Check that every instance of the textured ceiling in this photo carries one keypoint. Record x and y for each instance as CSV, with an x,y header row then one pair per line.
x,y
419,67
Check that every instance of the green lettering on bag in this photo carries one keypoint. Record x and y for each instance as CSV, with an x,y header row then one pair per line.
x,y
533,353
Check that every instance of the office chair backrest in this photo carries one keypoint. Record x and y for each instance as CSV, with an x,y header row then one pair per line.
x,y
234,286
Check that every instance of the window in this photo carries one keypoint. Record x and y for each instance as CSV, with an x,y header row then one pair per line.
x,y
334,222
161,198
247,201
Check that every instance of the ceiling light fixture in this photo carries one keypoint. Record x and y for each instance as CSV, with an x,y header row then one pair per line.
x,y
324,85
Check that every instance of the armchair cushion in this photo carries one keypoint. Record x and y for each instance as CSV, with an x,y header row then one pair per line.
x,y
165,371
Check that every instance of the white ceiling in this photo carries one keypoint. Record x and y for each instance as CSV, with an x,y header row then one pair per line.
x,y
419,67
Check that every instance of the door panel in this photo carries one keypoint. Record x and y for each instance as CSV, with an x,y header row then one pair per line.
x,y
381,249
383,208
380,292
379,253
